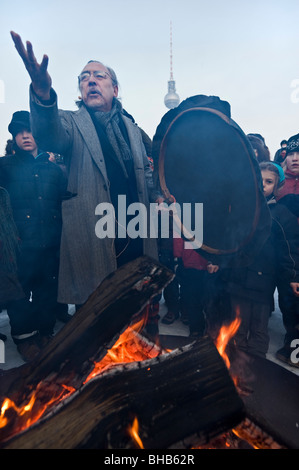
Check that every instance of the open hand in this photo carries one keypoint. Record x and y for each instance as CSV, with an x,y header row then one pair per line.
x,y
41,80
212,268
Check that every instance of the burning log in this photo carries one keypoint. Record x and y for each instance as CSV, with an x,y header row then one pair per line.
x,y
69,358
256,436
180,398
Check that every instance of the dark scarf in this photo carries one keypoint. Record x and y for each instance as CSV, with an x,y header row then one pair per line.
x,y
112,123
119,162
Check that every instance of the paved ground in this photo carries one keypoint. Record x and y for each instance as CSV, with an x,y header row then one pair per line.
x,y
12,358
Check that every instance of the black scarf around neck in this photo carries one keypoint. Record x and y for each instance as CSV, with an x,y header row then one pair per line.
x,y
113,126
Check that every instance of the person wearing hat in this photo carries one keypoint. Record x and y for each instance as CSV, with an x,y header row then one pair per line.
x,y
280,154
36,188
274,179
251,287
288,194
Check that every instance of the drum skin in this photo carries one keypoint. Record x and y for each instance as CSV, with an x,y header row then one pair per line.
x,y
204,157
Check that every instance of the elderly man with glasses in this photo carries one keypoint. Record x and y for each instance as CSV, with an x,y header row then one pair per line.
x,y
105,157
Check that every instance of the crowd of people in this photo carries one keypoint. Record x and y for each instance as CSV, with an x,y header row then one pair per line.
x,y
205,302
59,165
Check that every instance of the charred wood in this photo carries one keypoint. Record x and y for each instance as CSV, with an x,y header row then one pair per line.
x,y
68,359
185,393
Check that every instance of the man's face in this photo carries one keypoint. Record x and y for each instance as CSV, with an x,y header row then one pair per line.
x,y
97,91
25,141
292,161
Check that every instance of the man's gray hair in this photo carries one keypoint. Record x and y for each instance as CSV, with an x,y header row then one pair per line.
x,y
111,73
110,70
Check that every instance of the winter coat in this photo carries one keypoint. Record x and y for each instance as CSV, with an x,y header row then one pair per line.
x,y
289,224
291,185
289,193
276,263
10,288
36,188
291,201
191,259
85,259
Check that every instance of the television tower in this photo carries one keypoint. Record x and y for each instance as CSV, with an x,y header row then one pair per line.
x,y
172,99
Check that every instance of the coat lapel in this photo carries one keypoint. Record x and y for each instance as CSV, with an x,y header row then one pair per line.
x,y
90,137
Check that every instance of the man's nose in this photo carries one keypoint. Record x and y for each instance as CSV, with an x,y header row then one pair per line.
x,y
91,79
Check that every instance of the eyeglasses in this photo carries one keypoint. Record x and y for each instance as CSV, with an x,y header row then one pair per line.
x,y
98,75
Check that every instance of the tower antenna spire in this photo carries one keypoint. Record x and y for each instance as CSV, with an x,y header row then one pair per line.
x,y
171,71
172,99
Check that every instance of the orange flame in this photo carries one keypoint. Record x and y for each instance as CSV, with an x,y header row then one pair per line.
x,y
134,433
29,413
227,332
128,348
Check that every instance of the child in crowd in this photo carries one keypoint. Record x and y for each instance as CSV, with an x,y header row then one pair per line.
x,y
288,300
194,270
288,194
252,287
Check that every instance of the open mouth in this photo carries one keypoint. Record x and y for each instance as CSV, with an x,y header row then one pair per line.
x,y
94,93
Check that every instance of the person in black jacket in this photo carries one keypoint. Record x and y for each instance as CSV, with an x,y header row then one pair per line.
x,y
36,188
252,287
10,287
273,177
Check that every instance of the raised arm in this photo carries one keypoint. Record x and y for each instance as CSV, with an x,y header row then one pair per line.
x,y
40,78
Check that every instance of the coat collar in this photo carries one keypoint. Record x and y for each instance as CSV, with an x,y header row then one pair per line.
x,y
290,175
87,130
86,127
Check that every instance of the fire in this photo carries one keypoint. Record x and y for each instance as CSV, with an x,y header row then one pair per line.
x,y
129,348
30,412
227,332
20,410
134,433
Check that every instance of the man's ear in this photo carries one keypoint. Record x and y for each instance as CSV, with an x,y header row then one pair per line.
x,y
115,91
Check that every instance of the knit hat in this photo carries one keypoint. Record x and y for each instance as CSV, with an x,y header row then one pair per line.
x,y
293,144
20,121
280,171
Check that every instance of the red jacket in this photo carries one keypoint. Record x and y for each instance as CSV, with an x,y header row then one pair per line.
x,y
190,257
291,185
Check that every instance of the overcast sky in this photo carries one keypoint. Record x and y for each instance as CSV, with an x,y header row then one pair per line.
x,y
245,52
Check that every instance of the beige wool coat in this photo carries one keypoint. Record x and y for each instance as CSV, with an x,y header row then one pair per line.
x,y
85,259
